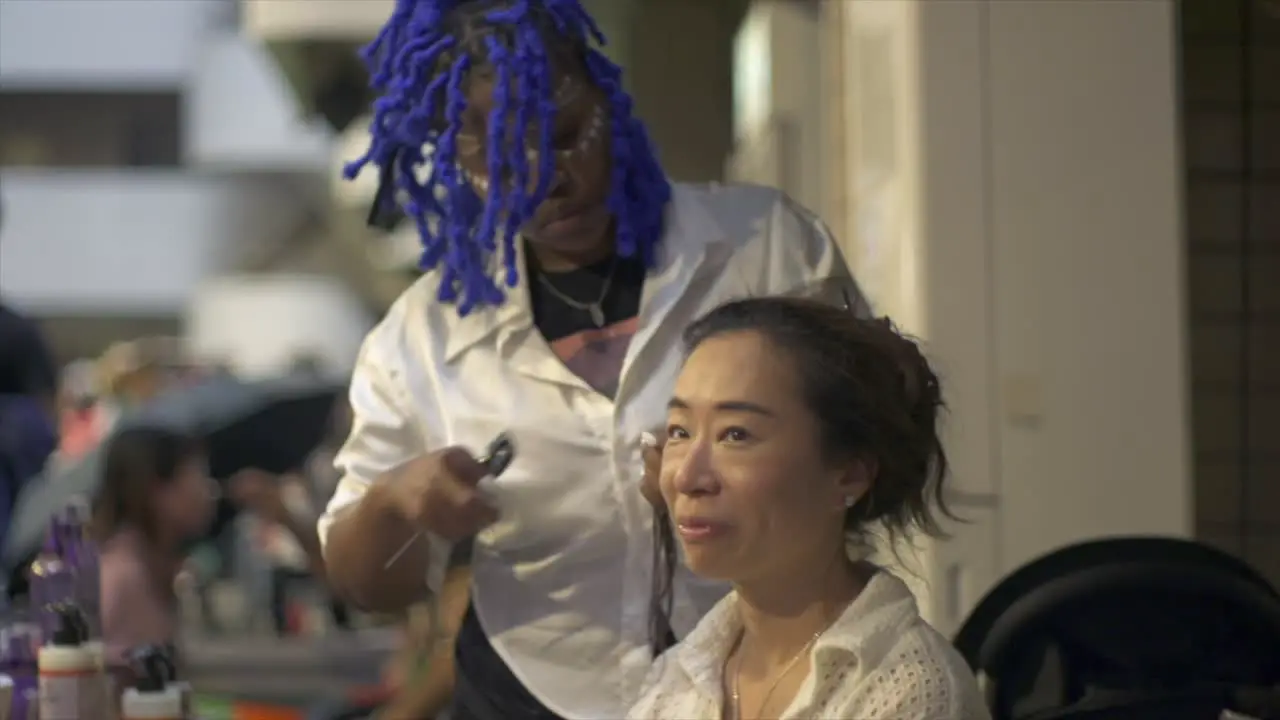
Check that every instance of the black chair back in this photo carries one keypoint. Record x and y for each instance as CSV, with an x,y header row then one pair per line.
x,y
1127,628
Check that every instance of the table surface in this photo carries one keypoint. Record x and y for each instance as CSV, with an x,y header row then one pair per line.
x,y
287,671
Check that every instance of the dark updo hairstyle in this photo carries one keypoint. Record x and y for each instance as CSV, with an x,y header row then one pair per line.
x,y
138,460
873,394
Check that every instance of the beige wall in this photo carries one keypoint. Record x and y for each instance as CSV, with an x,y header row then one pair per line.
x,y
833,54
1087,256
680,74
1016,203
614,17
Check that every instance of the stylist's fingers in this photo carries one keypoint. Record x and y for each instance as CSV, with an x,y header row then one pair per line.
x,y
462,466
651,452
457,510
476,514
446,500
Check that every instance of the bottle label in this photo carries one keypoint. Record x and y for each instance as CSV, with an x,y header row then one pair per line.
x,y
70,696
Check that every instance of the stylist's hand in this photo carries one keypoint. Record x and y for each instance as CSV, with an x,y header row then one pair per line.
x,y
438,493
651,451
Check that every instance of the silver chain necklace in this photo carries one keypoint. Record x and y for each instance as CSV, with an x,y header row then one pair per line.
x,y
736,696
594,309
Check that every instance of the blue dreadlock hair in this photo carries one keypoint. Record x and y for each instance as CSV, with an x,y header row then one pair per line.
x,y
420,62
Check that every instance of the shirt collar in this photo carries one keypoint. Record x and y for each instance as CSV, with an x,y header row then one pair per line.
x,y
873,619
691,227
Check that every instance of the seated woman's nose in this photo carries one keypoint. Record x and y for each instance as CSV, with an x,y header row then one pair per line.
x,y
694,474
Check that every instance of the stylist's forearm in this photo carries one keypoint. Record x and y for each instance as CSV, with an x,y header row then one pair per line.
x,y
359,544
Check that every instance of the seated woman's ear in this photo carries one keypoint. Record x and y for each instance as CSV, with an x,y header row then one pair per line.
x,y
856,478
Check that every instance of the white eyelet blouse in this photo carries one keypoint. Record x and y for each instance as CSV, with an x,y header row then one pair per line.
x,y
879,661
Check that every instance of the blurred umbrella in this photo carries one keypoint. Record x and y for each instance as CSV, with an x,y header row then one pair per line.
x,y
272,425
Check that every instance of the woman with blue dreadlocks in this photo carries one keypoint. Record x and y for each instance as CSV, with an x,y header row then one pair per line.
x,y
560,268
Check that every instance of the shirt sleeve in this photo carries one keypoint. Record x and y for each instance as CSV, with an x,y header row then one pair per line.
x,y
385,434
806,259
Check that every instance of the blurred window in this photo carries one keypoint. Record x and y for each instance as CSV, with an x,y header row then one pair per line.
x,y
90,129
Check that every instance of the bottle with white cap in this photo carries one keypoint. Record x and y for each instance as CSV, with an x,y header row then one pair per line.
x,y
70,673
154,696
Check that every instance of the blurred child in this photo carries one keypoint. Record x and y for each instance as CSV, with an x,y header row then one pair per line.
x,y
155,497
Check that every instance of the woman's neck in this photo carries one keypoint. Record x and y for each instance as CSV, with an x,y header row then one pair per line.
x,y
783,612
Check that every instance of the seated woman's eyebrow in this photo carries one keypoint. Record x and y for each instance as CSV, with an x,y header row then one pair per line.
x,y
677,403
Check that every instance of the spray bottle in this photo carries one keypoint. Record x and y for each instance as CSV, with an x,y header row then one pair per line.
x,y
52,580
81,555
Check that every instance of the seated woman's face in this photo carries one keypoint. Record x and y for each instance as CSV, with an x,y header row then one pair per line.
x,y
185,504
743,473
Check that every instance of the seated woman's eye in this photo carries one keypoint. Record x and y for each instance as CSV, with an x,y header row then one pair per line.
x,y
735,435
675,432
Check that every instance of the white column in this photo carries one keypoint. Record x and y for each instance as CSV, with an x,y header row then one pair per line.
x,y
1015,194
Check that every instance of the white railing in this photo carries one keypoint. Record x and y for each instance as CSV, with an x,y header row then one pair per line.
x,y
130,241
103,44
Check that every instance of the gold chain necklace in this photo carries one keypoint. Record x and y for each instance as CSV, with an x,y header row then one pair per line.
x,y
735,695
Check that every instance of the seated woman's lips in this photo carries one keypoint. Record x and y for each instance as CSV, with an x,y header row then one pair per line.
x,y
700,529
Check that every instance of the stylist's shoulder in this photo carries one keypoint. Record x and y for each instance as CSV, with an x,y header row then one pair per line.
x,y
794,252
392,412
385,420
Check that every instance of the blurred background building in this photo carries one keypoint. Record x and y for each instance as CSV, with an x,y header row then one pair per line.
x,y
1076,205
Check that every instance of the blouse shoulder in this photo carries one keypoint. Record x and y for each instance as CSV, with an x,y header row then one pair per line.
x,y
663,687
921,677
676,684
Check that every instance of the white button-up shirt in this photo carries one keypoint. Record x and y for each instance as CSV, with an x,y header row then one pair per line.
x,y
562,581
878,661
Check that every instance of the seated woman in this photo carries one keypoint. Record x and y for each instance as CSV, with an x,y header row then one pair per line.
x,y
155,497
795,430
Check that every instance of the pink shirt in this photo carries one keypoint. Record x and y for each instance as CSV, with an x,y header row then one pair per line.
x,y
138,607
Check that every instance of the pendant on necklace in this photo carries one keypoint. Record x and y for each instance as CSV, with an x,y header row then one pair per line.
x,y
597,315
